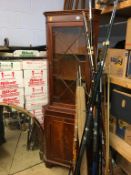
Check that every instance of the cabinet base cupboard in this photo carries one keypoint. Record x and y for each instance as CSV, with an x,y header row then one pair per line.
x,y
66,51
59,129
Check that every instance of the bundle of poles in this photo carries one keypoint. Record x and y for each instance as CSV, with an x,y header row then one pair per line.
x,y
92,137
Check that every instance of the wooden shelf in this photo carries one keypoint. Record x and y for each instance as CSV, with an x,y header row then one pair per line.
x,y
120,146
124,164
124,82
122,5
124,8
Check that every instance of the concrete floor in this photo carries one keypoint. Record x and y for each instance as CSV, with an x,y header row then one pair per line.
x,y
24,162
42,170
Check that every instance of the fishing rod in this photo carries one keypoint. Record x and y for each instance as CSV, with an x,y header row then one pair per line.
x,y
97,139
91,60
91,26
92,99
89,44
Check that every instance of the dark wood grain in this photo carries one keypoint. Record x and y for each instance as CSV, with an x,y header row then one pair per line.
x,y
59,129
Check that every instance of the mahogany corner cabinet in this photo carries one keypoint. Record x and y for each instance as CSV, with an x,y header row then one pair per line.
x,y
66,51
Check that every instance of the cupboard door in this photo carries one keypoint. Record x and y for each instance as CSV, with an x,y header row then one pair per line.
x,y
59,139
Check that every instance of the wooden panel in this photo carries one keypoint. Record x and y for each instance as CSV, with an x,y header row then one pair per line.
x,y
59,140
69,15
124,82
120,146
59,132
124,164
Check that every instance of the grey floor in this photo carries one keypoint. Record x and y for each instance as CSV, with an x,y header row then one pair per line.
x,y
24,162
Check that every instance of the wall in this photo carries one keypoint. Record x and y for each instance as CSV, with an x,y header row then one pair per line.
x,y
22,21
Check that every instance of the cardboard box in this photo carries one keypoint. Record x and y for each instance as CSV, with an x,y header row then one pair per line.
x,y
26,53
40,119
16,100
129,66
36,90
35,64
123,130
128,35
128,134
36,98
37,113
11,79
10,92
12,96
43,54
35,77
10,65
116,62
35,105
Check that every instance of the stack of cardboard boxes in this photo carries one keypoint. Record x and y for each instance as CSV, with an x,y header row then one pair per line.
x,y
35,84
24,83
11,83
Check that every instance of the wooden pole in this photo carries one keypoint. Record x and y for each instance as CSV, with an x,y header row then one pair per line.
x,y
81,117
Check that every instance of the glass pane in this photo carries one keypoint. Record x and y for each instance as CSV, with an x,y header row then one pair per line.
x,y
69,46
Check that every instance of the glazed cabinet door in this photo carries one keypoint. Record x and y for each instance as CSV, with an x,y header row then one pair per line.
x,y
68,53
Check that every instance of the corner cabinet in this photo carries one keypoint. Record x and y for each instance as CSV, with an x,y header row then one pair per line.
x,y
66,51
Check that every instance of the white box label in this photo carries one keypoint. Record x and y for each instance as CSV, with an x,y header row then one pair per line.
x,y
11,79
36,98
10,65
9,92
35,77
35,106
36,90
35,64
26,53
16,100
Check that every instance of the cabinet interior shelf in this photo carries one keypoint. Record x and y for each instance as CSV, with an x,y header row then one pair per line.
x,y
120,146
